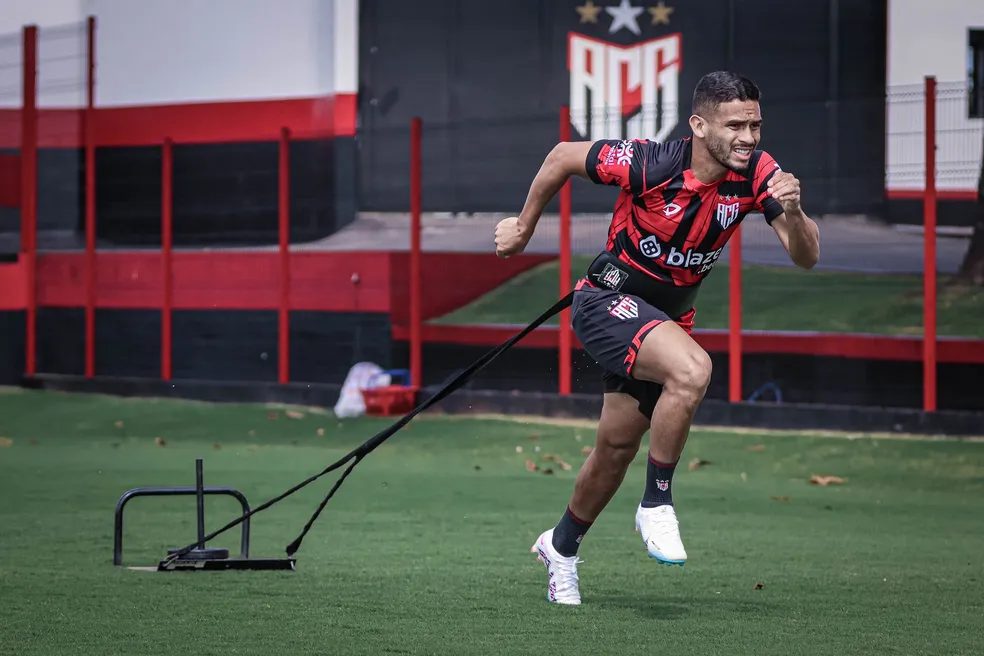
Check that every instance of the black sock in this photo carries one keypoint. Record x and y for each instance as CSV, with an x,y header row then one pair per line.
x,y
568,533
659,478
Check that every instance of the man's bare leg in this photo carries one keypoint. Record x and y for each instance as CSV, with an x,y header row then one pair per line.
x,y
671,357
620,432
668,356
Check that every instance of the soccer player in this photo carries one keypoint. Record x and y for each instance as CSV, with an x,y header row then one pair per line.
x,y
678,204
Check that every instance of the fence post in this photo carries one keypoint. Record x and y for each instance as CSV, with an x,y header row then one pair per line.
x,y
734,317
29,190
416,317
167,238
929,253
564,337
283,222
90,201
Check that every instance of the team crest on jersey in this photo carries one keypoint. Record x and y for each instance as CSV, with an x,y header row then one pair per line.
x,y
727,211
624,92
624,308
612,277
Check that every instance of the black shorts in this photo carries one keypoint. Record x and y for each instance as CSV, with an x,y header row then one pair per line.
x,y
611,326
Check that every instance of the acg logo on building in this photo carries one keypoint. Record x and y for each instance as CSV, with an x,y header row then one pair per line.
x,y
624,92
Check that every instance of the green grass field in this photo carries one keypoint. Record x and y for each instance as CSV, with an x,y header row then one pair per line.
x,y
425,548
775,298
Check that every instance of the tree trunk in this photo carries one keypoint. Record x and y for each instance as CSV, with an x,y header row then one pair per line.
x,y
972,268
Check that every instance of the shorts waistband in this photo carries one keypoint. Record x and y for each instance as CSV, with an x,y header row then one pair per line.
x,y
608,272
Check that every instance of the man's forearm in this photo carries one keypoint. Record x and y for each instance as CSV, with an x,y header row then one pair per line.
x,y
804,239
548,181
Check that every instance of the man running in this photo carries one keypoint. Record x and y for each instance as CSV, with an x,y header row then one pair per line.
x,y
679,203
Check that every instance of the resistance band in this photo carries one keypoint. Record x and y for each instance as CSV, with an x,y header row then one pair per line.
x,y
360,452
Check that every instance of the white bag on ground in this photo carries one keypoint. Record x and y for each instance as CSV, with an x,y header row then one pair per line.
x,y
362,375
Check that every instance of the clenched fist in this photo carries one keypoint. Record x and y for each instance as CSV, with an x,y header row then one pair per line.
x,y
785,188
510,237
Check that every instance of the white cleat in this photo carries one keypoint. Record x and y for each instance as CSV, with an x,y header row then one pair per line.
x,y
661,534
562,586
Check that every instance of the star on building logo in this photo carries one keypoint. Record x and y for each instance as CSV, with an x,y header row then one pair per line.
x,y
661,14
588,11
625,15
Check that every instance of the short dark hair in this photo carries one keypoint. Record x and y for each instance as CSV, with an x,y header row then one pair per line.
x,y
721,87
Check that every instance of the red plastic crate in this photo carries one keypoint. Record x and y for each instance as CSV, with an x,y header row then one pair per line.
x,y
389,400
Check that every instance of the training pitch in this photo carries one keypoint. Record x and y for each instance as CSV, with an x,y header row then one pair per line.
x,y
425,548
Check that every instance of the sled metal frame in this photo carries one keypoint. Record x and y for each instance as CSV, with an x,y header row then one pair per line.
x,y
201,558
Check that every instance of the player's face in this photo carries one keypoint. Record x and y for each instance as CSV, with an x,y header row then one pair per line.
x,y
732,133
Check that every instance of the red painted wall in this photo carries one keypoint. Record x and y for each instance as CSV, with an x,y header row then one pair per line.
x,y
324,281
218,122
329,281
13,286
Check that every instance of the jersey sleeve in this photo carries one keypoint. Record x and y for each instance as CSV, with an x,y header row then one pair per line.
x,y
764,170
620,163
634,165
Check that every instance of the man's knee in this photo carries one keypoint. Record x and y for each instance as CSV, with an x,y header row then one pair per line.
x,y
691,376
616,451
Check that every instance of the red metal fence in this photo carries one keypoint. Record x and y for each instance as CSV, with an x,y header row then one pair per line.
x,y
736,340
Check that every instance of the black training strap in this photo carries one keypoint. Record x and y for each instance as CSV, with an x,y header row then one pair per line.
x,y
360,452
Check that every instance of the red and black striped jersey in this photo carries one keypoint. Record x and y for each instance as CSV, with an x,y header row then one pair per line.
x,y
666,222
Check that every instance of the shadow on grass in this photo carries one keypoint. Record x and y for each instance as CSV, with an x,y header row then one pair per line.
x,y
653,606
